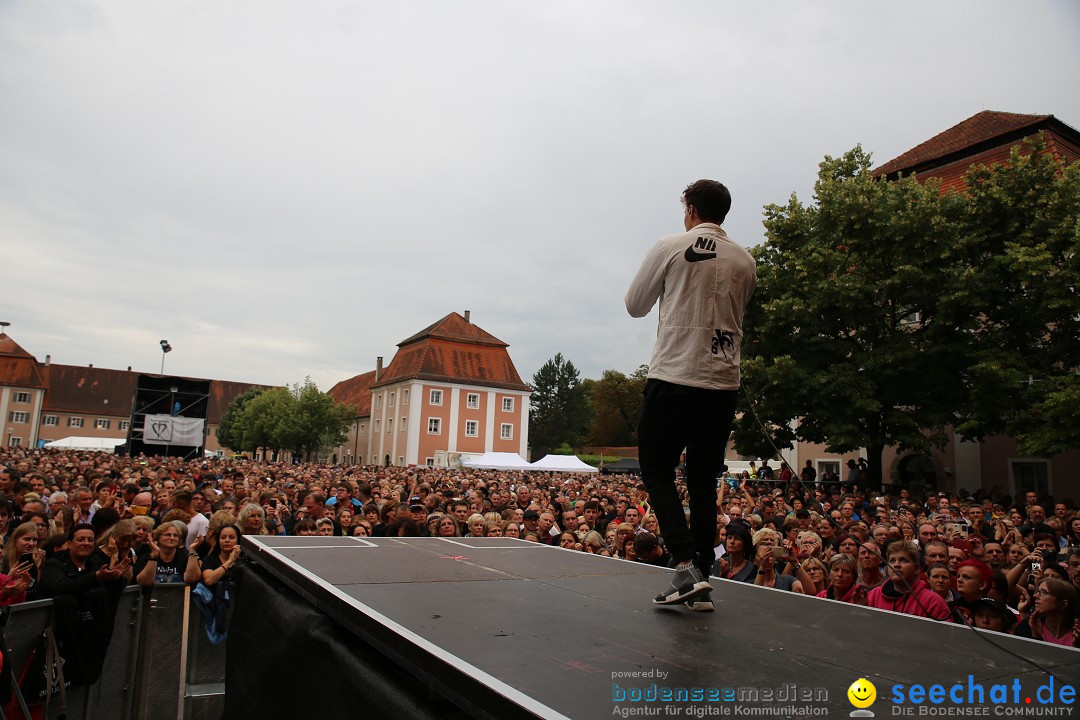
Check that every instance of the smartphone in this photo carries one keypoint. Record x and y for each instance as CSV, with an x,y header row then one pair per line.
x,y
26,558
139,510
779,552
271,503
112,488
964,545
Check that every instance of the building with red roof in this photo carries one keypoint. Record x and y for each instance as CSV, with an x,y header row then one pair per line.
x,y
450,388
45,401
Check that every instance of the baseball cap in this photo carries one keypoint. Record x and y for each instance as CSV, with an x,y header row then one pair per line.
x,y
531,514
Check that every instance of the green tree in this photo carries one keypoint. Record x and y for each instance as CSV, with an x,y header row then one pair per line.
x,y
616,400
561,411
857,326
1021,245
301,419
317,421
230,429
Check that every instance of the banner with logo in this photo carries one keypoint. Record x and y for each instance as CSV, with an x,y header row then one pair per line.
x,y
172,430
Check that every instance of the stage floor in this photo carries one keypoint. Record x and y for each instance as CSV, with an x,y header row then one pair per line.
x,y
507,628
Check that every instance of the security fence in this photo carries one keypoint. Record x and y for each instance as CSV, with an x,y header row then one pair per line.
x,y
159,665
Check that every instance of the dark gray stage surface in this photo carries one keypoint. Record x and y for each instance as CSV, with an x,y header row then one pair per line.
x,y
507,628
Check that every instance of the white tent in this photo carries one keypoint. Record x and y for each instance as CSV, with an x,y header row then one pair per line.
x,y
562,463
497,461
86,443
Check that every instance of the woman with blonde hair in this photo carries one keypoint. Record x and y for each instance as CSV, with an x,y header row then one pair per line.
x,y
167,561
252,520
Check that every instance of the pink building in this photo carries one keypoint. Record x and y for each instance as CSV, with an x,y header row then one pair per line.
x,y
451,388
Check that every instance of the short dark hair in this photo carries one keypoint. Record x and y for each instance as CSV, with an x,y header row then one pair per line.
x,y
710,198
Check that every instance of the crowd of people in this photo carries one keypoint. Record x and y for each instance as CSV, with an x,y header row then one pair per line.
x,y
76,521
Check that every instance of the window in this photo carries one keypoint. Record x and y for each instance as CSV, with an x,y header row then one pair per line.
x,y
472,401
471,428
824,466
362,430
430,462
22,397
435,398
390,425
508,404
404,397
374,459
434,426
404,424
376,426
378,400
18,417
14,441
391,403
1030,475
506,431
400,459
51,420
74,422
125,424
100,424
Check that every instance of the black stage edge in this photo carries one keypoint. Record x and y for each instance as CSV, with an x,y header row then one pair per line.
x,y
503,628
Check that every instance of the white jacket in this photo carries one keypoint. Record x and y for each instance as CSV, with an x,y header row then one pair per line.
x,y
704,282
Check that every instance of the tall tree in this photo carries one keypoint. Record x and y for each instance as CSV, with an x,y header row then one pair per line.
x,y
230,430
616,400
857,324
1021,243
561,411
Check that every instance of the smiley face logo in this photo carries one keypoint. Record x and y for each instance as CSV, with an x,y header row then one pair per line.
x,y
862,693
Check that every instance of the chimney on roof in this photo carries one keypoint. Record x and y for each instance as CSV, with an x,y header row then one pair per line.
x,y
467,315
378,368
48,360
91,364
129,368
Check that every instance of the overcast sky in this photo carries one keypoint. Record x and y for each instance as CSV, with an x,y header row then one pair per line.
x,y
284,189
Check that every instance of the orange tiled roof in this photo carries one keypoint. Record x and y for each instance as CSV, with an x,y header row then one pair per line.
x,y
977,133
18,368
455,351
222,393
355,391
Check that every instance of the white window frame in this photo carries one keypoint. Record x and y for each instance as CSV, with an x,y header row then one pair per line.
x,y
405,396
435,397
404,424
434,426
429,461
125,424
51,420
472,401
508,404
14,441
101,424
401,460
363,429
378,401
75,422
822,464
22,397
377,426
390,425
475,425
19,416
390,403
503,431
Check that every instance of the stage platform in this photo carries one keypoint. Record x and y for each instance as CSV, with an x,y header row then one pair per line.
x,y
509,629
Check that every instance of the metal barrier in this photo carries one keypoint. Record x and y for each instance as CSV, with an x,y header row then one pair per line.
x,y
159,665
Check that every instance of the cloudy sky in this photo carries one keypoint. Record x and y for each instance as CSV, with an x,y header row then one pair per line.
x,y
284,189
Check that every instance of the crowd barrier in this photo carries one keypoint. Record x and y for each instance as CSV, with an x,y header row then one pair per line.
x,y
159,665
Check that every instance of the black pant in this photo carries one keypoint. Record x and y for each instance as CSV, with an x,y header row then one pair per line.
x,y
674,417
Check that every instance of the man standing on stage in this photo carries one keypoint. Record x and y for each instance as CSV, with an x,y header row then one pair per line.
x,y
703,281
